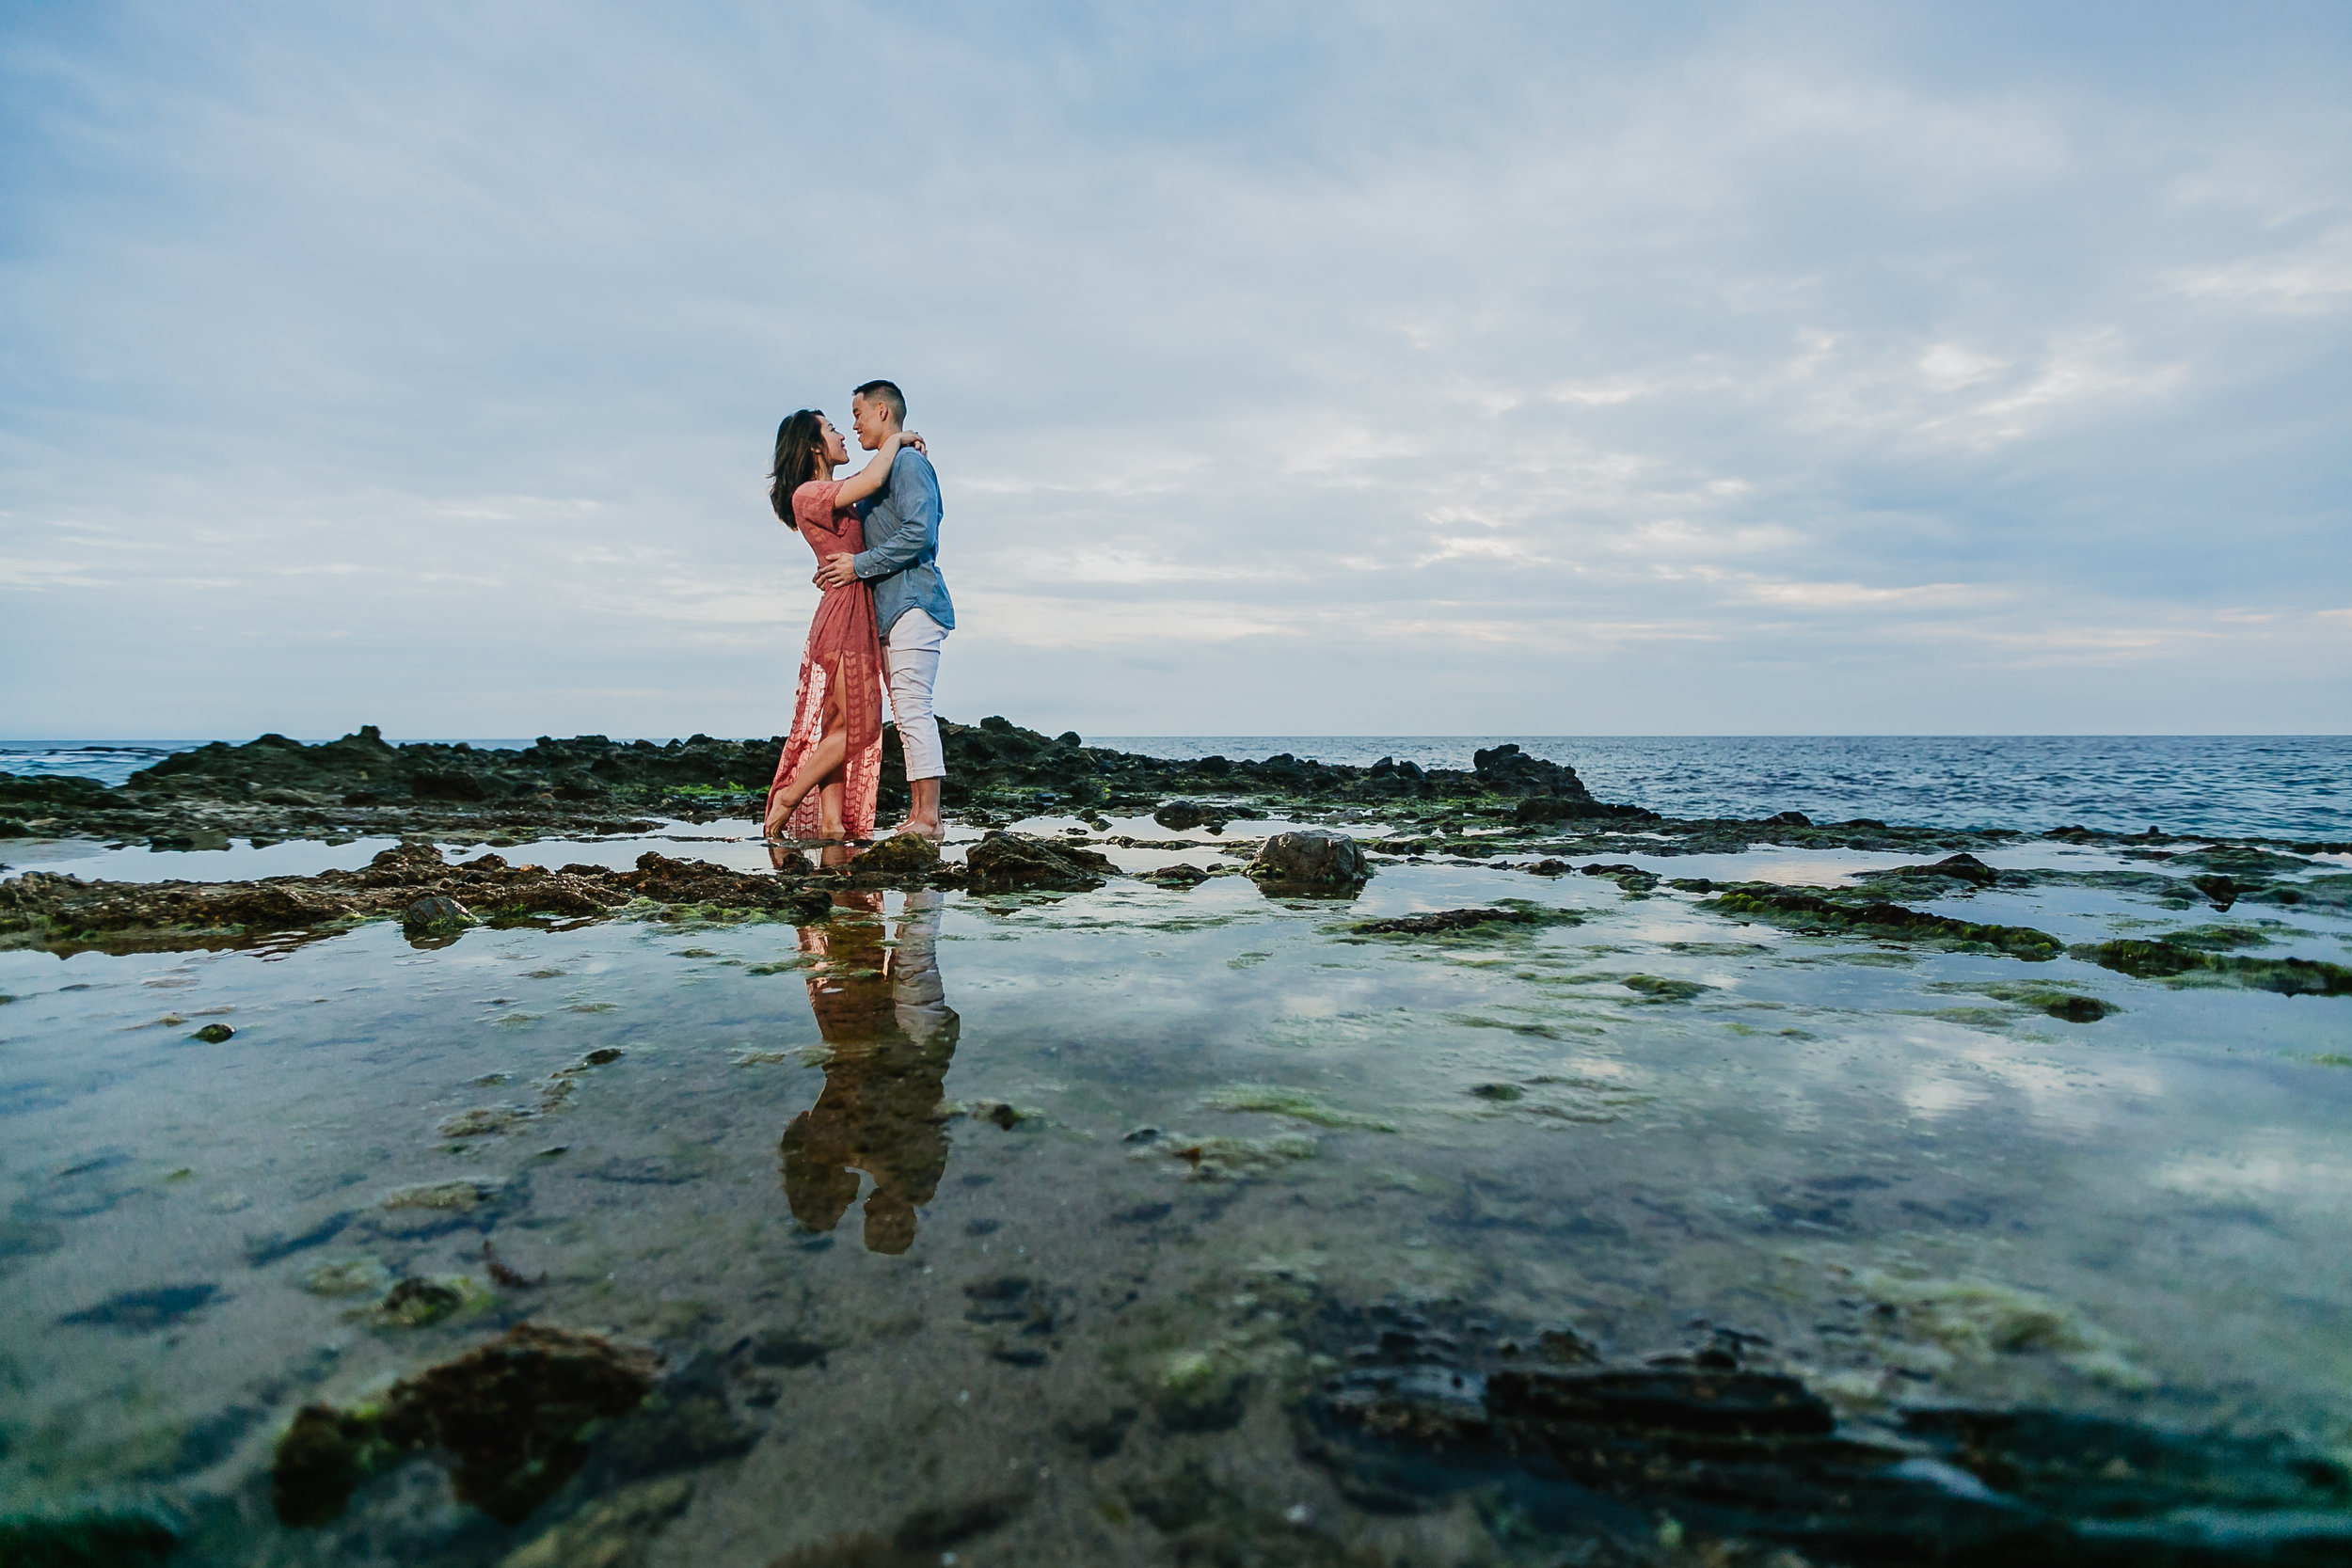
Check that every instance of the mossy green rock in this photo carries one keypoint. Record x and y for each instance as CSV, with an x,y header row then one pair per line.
x,y
2164,960
902,855
1809,909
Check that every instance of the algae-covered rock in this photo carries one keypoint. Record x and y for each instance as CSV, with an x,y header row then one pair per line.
x,y
1658,988
1314,861
1295,1104
1223,1159
1814,912
460,1196
509,1416
900,855
1199,1391
436,915
482,1121
2166,960
422,1303
214,1034
1003,862
1460,920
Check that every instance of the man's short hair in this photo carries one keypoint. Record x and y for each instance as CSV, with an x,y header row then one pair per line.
x,y
887,394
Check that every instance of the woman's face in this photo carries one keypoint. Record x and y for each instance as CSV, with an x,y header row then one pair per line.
x,y
836,450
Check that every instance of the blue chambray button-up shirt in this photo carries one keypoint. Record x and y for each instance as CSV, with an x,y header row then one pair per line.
x,y
901,554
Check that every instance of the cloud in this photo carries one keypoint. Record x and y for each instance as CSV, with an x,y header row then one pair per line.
x,y
1528,370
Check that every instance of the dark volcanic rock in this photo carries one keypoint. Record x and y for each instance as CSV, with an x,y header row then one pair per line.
x,y
1002,861
1182,816
509,1416
278,788
1310,859
64,913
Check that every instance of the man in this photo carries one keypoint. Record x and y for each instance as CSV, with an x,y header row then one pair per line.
x,y
911,605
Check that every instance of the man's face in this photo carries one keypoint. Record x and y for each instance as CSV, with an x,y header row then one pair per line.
x,y
871,422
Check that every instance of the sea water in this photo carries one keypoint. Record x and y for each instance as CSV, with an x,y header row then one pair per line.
x,y
1011,1227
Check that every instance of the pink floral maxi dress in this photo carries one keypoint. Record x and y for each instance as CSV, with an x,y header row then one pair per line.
x,y
843,651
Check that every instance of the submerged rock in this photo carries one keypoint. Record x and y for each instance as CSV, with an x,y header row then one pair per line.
x,y
2166,960
349,1276
461,1197
1813,910
1450,920
1658,988
142,1311
510,1415
1003,862
422,1303
1310,861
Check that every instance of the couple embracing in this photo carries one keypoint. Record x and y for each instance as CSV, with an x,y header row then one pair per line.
x,y
882,618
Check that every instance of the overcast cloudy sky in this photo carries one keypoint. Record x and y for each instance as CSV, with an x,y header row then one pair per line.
x,y
1290,369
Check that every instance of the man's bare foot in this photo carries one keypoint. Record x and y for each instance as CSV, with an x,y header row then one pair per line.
x,y
930,829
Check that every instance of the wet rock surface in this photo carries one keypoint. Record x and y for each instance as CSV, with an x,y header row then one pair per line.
x,y
1831,911
1003,862
1457,920
432,898
1310,861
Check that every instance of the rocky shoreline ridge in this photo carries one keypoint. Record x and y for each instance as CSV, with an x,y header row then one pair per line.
x,y
272,789
1509,810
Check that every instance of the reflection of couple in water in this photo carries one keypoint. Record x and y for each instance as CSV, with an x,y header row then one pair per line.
x,y
883,616
885,1017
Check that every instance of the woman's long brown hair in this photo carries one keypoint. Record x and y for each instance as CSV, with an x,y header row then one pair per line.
x,y
800,448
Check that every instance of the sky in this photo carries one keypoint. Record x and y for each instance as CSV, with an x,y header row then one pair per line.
x,y
1288,369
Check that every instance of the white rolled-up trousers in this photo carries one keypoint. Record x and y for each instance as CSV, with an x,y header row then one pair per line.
x,y
911,665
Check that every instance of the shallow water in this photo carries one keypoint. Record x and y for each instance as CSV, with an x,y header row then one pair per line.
x,y
1186,1129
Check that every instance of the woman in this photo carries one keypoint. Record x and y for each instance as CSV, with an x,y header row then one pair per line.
x,y
826,778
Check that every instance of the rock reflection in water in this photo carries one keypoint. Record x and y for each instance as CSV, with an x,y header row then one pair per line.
x,y
885,1016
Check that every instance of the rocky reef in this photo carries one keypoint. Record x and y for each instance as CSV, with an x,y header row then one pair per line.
x,y
275,788
433,897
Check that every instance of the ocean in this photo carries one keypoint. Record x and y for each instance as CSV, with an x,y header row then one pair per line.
x,y
2285,786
